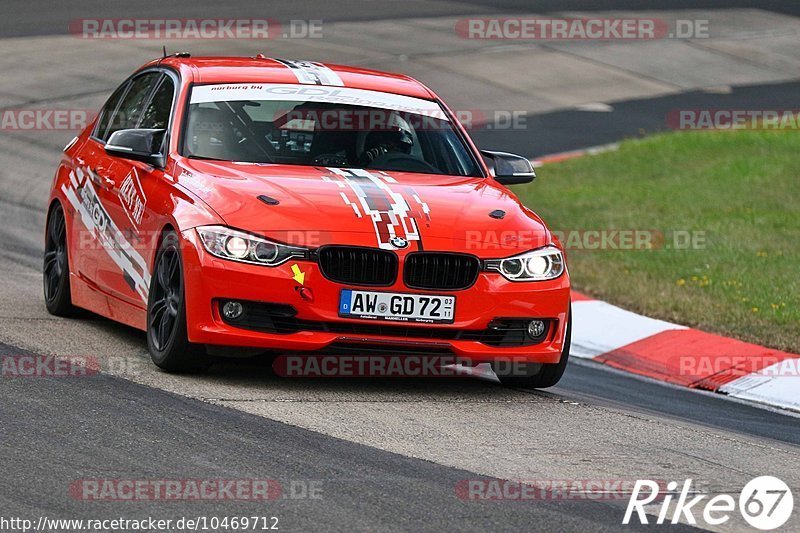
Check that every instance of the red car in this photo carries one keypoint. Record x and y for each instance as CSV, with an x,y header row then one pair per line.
x,y
251,204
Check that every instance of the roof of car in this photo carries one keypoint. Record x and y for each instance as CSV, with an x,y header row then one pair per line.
x,y
271,70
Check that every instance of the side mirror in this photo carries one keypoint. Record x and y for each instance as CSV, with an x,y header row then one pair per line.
x,y
510,169
138,144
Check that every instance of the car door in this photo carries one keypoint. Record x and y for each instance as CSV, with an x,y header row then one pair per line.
x,y
122,192
83,190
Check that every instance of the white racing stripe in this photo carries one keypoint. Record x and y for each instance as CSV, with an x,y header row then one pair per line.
x,y
312,73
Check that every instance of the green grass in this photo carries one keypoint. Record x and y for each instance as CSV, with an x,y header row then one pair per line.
x,y
742,189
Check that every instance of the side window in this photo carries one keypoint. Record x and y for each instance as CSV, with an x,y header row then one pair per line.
x,y
108,111
132,105
157,113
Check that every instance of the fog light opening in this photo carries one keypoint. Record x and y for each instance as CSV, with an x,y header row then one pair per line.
x,y
536,328
232,310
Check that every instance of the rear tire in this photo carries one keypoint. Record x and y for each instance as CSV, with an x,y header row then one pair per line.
x,y
55,269
167,338
539,375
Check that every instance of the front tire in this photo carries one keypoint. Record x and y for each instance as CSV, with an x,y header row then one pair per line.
x,y
538,375
55,270
167,338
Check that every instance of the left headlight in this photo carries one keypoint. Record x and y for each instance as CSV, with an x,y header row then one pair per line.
x,y
538,265
234,245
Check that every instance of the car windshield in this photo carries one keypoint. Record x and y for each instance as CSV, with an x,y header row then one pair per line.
x,y
323,126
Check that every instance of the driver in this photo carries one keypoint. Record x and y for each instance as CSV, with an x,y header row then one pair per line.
x,y
396,138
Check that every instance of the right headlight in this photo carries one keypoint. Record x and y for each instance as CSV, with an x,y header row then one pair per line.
x,y
235,245
537,265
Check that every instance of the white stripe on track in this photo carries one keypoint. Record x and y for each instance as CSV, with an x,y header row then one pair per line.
x,y
777,385
599,327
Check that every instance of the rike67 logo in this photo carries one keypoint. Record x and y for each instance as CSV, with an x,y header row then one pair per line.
x,y
765,503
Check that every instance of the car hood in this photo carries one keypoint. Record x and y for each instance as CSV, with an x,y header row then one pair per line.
x,y
318,205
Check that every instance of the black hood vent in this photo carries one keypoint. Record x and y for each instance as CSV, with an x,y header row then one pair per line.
x,y
268,200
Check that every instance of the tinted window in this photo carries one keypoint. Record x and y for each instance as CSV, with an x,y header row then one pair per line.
x,y
108,111
132,105
157,113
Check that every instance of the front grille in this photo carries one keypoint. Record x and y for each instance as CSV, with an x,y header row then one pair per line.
x,y
358,266
442,271
281,319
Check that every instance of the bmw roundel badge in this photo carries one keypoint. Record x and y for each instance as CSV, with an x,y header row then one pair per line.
x,y
399,242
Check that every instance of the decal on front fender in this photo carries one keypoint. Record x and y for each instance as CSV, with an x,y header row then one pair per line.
x,y
132,197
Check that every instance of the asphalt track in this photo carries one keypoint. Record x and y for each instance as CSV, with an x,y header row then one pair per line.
x,y
573,129
143,431
387,453
26,18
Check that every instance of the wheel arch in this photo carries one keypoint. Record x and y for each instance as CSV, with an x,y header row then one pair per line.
x,y
55,200
166,227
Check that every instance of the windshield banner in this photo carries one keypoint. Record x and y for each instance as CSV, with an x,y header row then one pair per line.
x,y
332,95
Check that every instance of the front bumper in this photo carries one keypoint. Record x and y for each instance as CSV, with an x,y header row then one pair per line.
x,y
210,280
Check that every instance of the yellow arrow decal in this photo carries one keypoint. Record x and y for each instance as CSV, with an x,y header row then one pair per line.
x,y
299,276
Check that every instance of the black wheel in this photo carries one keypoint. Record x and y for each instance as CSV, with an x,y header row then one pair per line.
x,y
57,296
167,339
538,376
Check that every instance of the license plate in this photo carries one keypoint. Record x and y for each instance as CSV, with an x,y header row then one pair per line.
x,y
427,308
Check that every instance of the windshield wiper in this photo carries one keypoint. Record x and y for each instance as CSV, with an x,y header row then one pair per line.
x,y
204,158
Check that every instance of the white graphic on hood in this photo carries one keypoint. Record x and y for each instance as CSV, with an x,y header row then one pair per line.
x,y
391,215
